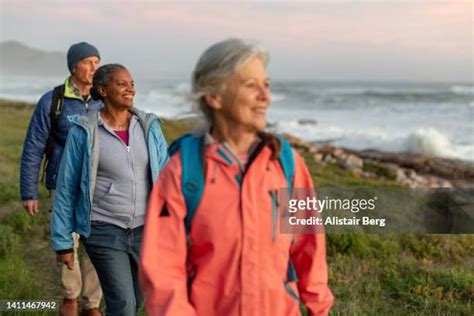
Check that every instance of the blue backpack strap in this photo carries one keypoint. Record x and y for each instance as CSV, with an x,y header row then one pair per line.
x,y
176,144
192,178
287,162
291,272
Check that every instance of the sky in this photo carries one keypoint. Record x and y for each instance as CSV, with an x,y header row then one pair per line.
x,y
307,40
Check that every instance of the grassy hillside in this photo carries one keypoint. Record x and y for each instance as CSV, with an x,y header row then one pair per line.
x,y
369,274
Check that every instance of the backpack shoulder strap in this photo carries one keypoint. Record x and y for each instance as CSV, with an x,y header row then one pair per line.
x,y
192,178
57,105
287,162
176,144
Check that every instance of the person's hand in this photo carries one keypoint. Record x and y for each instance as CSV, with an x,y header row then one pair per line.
x,y
31,206
67,259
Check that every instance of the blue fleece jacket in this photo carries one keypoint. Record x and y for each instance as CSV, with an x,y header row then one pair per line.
x,y
78,174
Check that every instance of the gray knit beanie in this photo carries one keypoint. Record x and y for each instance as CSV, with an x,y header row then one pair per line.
x,y
78,52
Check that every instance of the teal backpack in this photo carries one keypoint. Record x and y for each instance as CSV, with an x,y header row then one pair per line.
x,y
192,178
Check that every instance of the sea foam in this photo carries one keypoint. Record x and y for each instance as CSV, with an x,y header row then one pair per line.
x,y
429,141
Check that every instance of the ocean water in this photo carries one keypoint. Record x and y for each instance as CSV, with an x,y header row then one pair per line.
x,y
430,118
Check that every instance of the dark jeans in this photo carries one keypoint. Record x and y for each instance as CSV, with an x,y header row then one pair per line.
x,y
115,252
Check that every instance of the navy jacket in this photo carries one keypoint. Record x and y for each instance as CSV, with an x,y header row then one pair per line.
x,y
37,138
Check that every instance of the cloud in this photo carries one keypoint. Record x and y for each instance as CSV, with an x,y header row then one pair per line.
x,y
173,34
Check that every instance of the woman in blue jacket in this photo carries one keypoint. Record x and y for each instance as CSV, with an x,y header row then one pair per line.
x,y
111,159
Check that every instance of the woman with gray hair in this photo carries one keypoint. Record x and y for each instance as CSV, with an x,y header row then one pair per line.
x,y
111,160
211,244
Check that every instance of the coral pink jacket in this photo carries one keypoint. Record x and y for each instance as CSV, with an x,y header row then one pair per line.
x,y
234,251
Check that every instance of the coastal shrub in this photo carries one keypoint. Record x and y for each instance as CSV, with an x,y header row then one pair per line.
x,y
441,247
378,170
16,279
9,193
174,129
19,221
363,245
348,244
421,285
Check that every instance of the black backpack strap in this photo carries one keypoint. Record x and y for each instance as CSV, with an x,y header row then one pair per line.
x,y
57,105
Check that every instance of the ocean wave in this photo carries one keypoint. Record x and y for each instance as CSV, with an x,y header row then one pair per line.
x,y
430,141
462,90
341,96
276,97
378,91
182,88
401,93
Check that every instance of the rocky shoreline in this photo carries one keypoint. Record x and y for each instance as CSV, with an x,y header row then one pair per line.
x,y
408,169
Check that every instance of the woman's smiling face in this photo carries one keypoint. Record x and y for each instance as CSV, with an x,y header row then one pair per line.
x,y
245,100
120,90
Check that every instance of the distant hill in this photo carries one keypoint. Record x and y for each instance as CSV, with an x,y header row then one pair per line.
x,y
18,59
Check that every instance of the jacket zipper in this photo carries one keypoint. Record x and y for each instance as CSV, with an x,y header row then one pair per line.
x,y
274,197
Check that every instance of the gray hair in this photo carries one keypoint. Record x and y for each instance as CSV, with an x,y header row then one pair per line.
x,y
102,77
218,63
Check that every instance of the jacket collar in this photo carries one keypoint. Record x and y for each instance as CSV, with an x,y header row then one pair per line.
x,y
92,117
71,91
145,118
221,153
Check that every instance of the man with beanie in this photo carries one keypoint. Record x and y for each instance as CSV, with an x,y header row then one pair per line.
x,y
46,138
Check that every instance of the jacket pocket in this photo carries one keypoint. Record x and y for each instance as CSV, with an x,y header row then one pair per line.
x,y
102,195
114,201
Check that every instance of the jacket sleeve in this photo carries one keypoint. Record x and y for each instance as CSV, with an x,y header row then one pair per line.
x,y
159,156
163,149
34,147
67,190
308,255
163,275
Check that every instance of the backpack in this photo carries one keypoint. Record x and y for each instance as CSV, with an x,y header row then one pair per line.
x,y
192,178
57,106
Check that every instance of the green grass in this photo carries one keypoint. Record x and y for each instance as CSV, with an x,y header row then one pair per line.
x,y
369,274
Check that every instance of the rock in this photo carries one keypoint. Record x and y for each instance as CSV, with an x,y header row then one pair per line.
x,y
390,170
412,170
328,158
413,184
318,157
312,149
410,173
325,150
295,141
432,182
399,175
307,122
451,169
337,152
369,175
445,184
353,162
342,156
